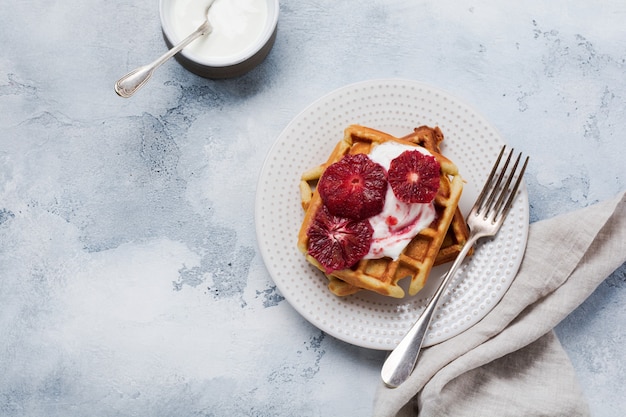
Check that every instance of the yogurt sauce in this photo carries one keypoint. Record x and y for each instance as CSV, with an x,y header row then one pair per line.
x,y
399,222
237,24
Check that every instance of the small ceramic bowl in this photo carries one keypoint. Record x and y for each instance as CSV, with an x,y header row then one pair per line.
x,y
219,67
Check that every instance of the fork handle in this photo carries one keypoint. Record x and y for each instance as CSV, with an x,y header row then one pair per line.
x,y
401,361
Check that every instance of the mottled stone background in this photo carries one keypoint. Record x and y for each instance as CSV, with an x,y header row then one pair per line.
x,y
130,279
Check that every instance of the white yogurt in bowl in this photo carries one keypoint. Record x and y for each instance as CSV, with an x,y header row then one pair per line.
x,y
242,36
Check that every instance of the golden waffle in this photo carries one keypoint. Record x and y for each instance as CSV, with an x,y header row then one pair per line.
x,y
437,244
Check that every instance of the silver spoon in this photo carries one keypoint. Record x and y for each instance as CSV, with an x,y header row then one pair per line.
x,y
134,80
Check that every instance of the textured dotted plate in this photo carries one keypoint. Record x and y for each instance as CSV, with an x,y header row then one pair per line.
x,y
367,319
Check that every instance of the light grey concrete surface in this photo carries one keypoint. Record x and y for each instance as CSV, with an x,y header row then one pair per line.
x,y
131,283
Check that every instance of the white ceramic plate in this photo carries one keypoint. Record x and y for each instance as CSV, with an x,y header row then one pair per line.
x,y
367,319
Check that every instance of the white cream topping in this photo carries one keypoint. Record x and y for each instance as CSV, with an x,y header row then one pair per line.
x,y
237,24
399,222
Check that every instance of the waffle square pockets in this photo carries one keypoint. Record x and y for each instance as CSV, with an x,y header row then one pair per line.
x,y
359,253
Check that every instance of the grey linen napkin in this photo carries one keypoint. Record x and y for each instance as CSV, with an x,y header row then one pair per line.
x,y
511,363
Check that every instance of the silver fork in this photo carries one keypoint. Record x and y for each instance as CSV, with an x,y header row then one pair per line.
x,y
485,219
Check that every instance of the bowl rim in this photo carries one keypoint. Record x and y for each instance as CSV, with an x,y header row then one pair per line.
x,y
239,58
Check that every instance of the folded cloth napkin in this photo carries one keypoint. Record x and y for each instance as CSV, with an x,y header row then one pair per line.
x,y
511,363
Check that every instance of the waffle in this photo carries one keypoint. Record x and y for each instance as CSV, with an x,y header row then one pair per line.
x,y
437,244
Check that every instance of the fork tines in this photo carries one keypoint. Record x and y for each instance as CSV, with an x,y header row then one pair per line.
x,y
496,199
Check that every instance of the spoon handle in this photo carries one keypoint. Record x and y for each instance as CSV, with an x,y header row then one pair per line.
x,y
134,80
